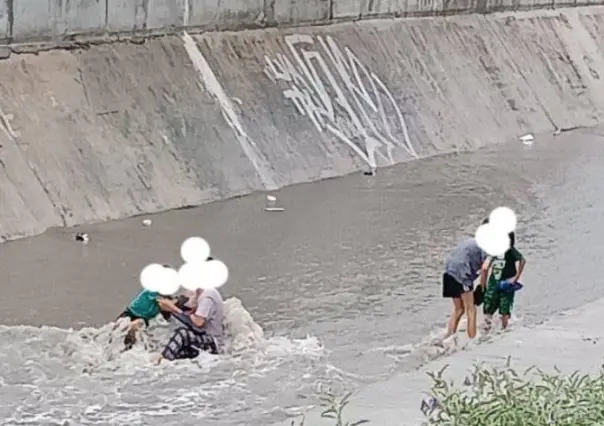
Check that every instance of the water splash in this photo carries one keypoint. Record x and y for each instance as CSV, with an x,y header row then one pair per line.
x,y
63,376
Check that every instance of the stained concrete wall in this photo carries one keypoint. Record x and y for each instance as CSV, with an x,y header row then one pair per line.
x,y
43,20
127,128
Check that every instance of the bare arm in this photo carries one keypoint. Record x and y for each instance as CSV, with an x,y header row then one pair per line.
x,y
484,271
168,306
197,320
521,265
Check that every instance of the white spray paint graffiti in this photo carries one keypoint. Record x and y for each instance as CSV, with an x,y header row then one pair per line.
x,y
348,106
213,86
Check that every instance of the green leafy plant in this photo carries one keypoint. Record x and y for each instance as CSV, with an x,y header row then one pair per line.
x,y
503,397
334,409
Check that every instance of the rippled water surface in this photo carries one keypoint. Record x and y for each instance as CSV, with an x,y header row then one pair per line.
x,y
344,283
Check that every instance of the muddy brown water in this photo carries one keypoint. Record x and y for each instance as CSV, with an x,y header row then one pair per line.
x,y
353,262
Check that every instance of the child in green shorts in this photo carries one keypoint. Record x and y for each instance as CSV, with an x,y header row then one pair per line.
x,y
508,268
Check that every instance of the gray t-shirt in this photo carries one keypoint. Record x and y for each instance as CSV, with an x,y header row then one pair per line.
x,y
464,262
211,307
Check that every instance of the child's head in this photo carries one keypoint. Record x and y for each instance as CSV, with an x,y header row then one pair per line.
x,y
160,294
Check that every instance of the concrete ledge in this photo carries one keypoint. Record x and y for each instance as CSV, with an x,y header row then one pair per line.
x,y
44,20
572,341
295,12
124,16
31,21
222,15
5,21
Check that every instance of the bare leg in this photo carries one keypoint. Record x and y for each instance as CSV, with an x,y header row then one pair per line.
x,y
118,323
130,338
505,319
458,311
488,319
467,299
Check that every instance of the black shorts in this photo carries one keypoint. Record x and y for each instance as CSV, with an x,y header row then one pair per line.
x,y
453,288
128,314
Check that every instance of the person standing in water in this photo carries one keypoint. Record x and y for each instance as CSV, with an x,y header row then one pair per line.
x,y
465,263
506,268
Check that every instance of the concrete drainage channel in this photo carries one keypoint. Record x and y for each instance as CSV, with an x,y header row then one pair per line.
x,y
121,113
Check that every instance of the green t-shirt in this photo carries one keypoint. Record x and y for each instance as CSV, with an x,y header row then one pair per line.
x,y
504,267
145,305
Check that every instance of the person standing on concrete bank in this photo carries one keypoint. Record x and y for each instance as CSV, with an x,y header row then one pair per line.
x,y
201,330
462,266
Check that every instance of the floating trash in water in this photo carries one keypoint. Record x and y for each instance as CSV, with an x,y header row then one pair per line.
x,y
147,222
271,206
82,237
370,172
527,139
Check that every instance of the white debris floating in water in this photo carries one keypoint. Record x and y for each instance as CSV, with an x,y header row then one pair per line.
x,y
147,222
527,139
271,204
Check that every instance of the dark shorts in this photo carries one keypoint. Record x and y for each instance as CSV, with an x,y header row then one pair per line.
x,y
453,288
128,314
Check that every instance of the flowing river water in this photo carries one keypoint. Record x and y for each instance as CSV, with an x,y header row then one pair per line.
x,y
345,285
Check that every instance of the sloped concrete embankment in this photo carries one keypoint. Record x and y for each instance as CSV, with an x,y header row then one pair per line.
x,y
572,341
123,129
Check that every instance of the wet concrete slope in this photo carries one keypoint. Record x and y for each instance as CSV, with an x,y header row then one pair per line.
x,y
126,128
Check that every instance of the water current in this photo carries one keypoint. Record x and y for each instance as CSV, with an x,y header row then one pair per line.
x,y
343,287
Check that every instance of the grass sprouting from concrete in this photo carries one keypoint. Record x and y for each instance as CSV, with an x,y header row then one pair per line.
x,y
333,408
500,396
505,397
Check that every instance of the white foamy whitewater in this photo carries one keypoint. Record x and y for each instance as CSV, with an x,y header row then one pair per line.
x,y
80,377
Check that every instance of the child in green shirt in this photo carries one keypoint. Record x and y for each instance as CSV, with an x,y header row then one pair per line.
x,y
142,309
508,268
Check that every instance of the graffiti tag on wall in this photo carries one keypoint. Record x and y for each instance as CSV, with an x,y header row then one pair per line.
x,y
331,87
